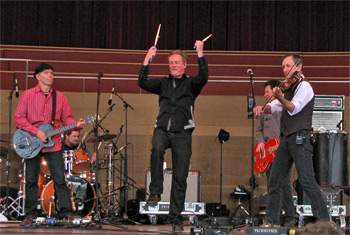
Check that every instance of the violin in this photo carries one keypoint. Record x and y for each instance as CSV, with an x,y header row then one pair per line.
x,y
297,76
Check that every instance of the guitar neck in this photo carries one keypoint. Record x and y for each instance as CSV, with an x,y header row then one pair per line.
x,y
60,130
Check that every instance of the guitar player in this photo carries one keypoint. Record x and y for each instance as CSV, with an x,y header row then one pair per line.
x,y
268,128
34,109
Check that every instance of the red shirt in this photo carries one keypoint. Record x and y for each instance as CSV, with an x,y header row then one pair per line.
x,y
35,109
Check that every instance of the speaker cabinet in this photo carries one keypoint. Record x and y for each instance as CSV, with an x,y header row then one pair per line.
x,y
193,185
329,194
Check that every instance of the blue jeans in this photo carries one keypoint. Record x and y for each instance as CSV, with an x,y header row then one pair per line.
x,y
181,150
290,151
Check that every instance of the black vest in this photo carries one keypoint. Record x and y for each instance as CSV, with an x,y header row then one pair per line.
x,y
300,121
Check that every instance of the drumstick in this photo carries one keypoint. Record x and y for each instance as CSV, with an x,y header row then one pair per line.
x,y
82,141
156,40
205,39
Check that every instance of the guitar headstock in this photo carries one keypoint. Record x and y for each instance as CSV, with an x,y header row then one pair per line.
x,y
92,119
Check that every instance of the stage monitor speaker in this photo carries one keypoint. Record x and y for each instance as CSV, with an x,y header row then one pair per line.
x,y
193,185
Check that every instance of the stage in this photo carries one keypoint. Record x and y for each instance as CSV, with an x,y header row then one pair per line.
x,y
12,227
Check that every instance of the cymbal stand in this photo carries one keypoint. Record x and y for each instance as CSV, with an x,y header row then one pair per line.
x,y
126,106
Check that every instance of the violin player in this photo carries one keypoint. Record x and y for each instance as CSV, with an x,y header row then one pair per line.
x,y
296,100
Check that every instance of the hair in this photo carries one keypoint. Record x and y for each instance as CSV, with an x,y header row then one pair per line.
x,y
69,132
298,59
272,83
181,53
41,67
323,227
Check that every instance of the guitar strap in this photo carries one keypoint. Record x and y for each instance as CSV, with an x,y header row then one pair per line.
x,y
53,107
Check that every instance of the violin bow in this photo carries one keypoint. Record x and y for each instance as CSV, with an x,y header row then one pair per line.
x,y
156,39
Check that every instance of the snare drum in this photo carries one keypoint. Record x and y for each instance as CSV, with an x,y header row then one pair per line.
x,y
81,161
87,175
83,201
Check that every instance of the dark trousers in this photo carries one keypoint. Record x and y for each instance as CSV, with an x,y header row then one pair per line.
x,y
301,154
286,196
181,150
56,166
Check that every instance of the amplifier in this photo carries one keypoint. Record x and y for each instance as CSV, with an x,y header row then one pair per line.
x,y
190,208
305,210
193,185
328,113
329,102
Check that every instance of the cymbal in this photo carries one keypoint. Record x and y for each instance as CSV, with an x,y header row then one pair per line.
x,y
4,151
102,137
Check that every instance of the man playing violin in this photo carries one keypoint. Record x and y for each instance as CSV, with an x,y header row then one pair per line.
x,y
296,104
268,128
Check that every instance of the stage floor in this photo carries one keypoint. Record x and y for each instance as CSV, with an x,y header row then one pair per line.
x,y
12,227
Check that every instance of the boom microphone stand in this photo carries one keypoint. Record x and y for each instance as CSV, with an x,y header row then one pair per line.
x,y
251,105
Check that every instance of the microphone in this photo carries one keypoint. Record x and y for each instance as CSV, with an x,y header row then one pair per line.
x,y
121,128
110,108
16,84
110,97
250,72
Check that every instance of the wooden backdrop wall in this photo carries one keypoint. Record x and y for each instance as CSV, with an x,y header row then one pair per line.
x,y
222,104
235,25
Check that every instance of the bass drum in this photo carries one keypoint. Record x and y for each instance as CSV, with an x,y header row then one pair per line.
x,y
331,158
83,197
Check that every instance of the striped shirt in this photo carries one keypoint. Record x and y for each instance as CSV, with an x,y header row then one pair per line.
x,y
34,109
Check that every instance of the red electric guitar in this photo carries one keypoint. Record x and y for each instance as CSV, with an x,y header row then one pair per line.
x,y
264,158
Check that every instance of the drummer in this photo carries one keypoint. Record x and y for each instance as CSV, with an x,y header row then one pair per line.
x,y
71,142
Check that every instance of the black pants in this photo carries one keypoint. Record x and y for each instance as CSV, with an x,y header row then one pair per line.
x,y
56,166
181,150
290,151
286,196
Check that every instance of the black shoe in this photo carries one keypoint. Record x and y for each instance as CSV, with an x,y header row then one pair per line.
x,y
28,220
177,226
153,199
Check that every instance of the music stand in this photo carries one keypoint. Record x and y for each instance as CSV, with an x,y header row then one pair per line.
x,y
223,136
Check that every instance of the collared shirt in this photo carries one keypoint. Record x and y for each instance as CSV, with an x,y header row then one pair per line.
x,y
269,127
302,96
34,109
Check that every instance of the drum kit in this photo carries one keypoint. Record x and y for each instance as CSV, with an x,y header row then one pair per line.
x,y
80,179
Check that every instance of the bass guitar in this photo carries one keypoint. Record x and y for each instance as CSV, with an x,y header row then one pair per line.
x,y
264,158
28,146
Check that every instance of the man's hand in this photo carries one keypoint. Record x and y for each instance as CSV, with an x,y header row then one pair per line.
x,y
277,92
257,110
93,157
151,53
42,136
199,48
260,147
81,123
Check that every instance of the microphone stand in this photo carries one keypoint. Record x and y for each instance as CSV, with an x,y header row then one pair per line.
x,y
9,152
126,177
252,178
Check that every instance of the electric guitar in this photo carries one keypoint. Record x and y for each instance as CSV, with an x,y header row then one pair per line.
x,y
28,146
264,158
